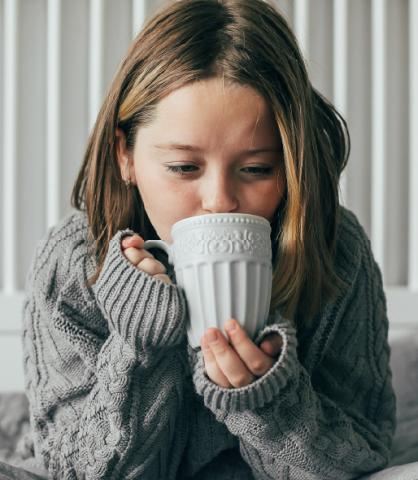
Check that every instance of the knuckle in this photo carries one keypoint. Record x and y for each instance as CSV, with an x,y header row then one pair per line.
x,y
132,255
151,266
158,267
258,368
221,350
145,263
161,266
145,253
217,377
136,255
224,384
163,277
241,381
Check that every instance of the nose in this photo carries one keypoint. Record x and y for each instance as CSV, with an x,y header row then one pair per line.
x,y
219,196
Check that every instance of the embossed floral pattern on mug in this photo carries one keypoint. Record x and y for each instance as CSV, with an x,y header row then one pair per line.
x,y
222,241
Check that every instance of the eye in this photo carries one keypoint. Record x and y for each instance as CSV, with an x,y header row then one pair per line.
x,y
180,169
254,171
259,171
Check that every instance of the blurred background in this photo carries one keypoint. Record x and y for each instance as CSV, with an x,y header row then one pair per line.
x,y
58,57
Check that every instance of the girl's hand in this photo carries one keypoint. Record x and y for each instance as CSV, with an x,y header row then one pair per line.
x,y
142,259
240,362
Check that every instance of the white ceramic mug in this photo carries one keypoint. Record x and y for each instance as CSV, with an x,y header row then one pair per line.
x,y
223,261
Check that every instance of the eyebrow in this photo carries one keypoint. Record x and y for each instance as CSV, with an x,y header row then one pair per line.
x,y
194,148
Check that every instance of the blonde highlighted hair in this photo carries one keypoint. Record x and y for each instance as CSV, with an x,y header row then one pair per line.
x,y
247,42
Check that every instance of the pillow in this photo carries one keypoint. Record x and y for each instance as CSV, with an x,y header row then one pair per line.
x,y
8,472
14,423
400,472
404,363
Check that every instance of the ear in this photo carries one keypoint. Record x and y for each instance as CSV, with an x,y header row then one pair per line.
x,y
125,158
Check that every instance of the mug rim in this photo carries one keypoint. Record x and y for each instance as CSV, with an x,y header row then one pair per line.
x,y
220,218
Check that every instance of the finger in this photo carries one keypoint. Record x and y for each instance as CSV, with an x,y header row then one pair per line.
x,y
272,344
134,255
228,360
257,362
211,367
151,266
132,241
163,277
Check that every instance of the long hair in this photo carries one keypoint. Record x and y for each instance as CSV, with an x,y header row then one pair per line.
x,y
247,42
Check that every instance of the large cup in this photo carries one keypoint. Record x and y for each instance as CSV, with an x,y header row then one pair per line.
x,y
224,264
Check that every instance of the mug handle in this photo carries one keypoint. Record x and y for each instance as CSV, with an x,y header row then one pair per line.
x,y
159,244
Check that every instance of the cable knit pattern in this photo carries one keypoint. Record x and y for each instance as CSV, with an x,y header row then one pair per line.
x,y
101,405
139,298
116,392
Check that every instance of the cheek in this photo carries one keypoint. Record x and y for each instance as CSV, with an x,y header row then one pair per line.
x,y
171,197
152,186
166,201
272,197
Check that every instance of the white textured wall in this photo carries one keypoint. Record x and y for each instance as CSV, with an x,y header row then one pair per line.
x,y
361,65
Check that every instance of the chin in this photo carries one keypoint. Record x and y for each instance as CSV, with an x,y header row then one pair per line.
x,y
166,237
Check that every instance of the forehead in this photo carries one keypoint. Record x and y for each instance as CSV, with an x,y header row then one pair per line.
x,y
214,96
211,109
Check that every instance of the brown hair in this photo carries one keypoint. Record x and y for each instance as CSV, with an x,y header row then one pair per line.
x,y
247,42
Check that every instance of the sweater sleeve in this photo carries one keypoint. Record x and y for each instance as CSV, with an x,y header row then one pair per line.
x,y
104,370
336,421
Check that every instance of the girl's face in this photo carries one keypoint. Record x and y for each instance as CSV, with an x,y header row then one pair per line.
x,y
213,148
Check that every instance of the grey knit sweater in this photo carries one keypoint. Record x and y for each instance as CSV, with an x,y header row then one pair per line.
x,y
115,391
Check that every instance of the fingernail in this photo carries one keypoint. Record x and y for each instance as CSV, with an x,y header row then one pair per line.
x,y
211,336
231,325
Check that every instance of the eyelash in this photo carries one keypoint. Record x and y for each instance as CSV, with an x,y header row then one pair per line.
x,y
265,171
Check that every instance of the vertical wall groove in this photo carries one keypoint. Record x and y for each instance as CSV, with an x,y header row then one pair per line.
x,y
97,13
378,129
340,71
10,145
138,15
53,120
301,25
413,145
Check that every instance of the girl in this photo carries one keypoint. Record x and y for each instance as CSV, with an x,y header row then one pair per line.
x,y
210,111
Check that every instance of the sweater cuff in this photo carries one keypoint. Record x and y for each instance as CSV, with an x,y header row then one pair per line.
x,y
146,312
261,391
